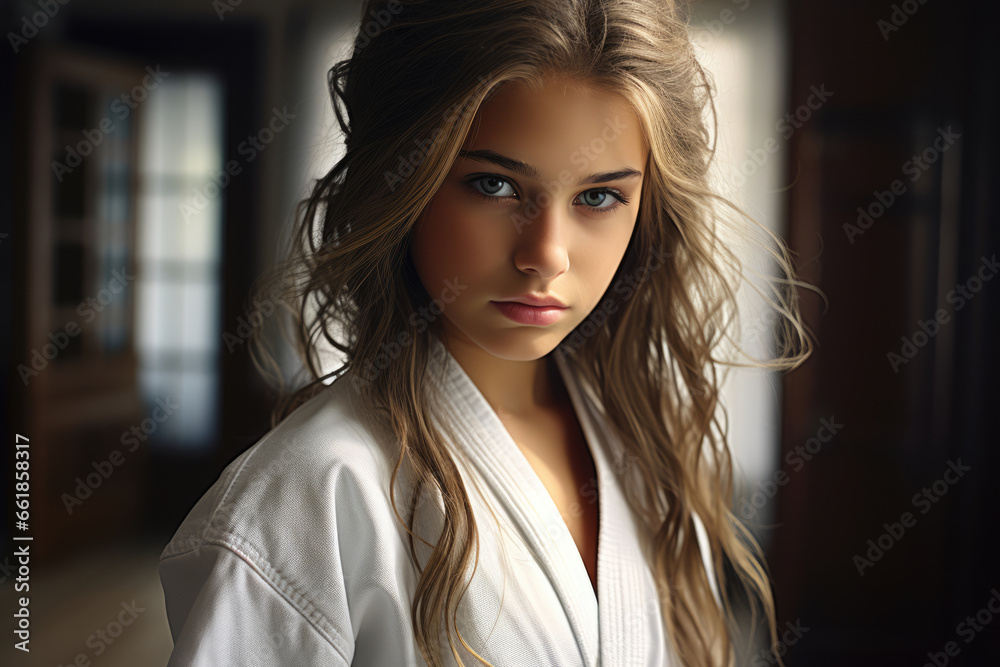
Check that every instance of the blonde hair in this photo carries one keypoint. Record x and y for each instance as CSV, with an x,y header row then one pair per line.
x,y
410,93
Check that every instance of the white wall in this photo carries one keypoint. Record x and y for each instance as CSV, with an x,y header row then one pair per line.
x,y
742,44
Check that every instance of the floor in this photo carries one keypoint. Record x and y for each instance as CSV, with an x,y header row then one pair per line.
x,y
71,601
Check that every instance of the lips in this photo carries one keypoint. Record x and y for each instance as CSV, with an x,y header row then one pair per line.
x,y
530,315
532,300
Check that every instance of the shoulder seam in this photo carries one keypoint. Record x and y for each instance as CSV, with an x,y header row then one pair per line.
x,y
175,547
284,587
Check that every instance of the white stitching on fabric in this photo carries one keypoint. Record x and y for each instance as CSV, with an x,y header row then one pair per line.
x,y
246,552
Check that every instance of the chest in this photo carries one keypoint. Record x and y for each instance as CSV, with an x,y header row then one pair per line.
x,y
554,445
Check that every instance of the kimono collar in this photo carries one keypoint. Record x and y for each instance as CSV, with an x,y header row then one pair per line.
x,y
611,627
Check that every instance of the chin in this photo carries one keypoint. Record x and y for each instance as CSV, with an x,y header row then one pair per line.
x,y
521,343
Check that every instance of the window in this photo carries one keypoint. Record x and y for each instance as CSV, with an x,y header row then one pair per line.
x,y
178,290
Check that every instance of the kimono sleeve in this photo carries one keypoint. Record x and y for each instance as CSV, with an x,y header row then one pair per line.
x,y
224,612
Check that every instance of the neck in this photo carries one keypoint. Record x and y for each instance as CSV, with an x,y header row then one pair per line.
x,y
514,388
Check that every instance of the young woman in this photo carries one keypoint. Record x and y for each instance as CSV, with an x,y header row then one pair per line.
x,y
519,259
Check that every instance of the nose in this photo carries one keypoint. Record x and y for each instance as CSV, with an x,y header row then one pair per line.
x,y
541,245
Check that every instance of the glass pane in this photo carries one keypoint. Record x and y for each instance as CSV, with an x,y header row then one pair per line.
x,y
183,129
163,112
150,240
117,281
200,326
194,229
161,390
199,391
159,305
180,227
180,244
202,122
183,406
116,278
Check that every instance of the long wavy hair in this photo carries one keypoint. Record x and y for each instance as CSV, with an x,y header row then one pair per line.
x,y
405,101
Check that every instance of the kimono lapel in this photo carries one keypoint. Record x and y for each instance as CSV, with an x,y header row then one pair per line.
x,y
614,632
623,609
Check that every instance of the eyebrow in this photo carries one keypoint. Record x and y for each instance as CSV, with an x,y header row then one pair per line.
x,y
525,169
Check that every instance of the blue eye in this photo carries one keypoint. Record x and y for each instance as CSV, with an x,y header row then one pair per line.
x,y
603,193
492,185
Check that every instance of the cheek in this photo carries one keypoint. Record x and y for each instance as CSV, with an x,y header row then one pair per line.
x,y
597,265
453,242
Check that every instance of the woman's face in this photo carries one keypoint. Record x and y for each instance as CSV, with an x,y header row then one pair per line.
x,y
559,164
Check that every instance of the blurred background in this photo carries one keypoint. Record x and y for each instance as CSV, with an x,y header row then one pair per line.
x,y
154,153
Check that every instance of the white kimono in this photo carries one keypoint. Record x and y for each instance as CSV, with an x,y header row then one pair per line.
x,y
294,557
